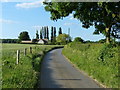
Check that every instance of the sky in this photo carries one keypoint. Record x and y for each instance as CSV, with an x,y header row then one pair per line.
x,y
16,17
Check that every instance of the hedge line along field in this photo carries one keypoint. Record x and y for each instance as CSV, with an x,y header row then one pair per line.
x,y
100,61
24,74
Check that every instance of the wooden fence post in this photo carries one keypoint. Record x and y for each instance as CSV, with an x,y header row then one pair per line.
x,y
18,56
30,49
25,50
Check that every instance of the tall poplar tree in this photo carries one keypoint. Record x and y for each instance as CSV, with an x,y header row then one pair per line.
x,y
41,37
37,35
43,33
54,35
51,34
47,33
60,31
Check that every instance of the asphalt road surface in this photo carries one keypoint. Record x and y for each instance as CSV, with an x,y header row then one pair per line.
x,y
57,72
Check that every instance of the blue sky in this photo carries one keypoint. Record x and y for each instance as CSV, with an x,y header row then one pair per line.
x,y
31,16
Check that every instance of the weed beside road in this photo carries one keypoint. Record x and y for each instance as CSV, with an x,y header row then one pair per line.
x,y
98,60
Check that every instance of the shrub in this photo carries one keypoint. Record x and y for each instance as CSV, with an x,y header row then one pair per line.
x,y
78,39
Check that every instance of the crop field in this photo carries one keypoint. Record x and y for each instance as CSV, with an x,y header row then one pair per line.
x,y
100,61
25,73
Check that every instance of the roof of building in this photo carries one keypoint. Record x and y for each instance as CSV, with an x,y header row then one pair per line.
x,y
26,41
45,40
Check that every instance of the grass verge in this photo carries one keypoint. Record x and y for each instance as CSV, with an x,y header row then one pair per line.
x,y
25,74
98,60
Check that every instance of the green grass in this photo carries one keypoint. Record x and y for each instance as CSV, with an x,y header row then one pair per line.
x,y
98,60
25,74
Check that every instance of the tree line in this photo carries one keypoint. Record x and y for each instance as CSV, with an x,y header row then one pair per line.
x,y
44,33
8,40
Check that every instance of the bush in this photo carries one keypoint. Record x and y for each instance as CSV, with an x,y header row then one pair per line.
x,y
63,39
78,39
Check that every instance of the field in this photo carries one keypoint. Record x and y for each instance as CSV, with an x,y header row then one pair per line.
x,y
100,61
25,74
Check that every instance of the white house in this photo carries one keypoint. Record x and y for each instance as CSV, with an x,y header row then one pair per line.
x,y
42,41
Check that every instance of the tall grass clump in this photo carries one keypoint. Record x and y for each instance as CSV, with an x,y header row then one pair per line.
x,y
25,74
98,60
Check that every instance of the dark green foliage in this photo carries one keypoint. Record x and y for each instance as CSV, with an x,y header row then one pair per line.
x,y
78,39
34,40
100,14
88,41
102,41
60,30
52,34
24,36
37,35
44,33
115,32
41,34
47,33
9,40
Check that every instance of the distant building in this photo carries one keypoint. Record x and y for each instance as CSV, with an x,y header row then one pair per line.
x,y
37,41
42,41
26,42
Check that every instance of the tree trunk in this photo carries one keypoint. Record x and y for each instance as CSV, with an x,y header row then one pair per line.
x,y
108,35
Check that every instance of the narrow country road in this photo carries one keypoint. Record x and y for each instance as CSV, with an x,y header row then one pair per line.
x,y
57,72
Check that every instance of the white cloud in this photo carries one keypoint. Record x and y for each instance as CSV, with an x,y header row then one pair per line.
x,y
71,15
30,5
72,18
69,24
4,0
7,21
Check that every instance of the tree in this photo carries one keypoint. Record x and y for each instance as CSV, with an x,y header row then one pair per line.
x,y
41,35
69,34
115,32
63,39
47,33
24,36
52,34
37,35
9,40
78,39
100,14
60,30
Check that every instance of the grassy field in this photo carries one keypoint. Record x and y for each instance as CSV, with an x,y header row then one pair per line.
x,y
24,74
98,60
